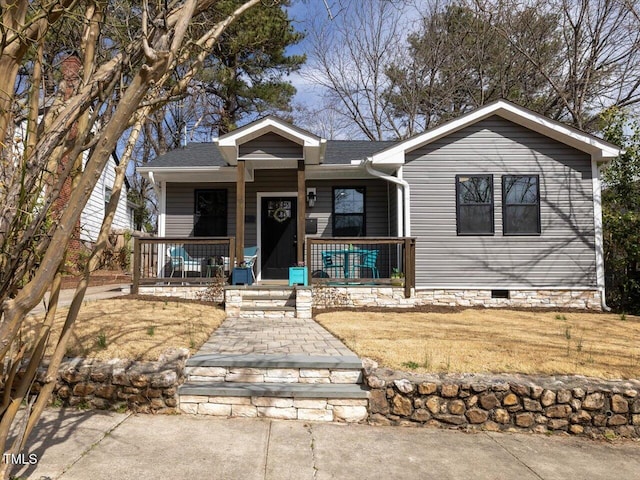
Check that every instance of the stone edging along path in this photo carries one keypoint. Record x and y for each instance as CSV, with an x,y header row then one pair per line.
x,y
573,404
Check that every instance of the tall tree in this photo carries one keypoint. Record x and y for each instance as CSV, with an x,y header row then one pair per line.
x,y
245,73
456,63
348,59
243,76
598,66
129,56
621,212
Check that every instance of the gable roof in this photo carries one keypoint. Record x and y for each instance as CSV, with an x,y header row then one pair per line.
x,y
599,149
313,146
349,152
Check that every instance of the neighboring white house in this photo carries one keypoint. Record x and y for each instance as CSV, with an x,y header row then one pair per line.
x,y
93,213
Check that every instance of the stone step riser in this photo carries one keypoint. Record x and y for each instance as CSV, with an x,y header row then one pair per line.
x,y
267,314
238,300
267,302
273,375
286,408
268,296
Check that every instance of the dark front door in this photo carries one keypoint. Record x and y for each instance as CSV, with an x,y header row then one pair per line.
x,y
278,237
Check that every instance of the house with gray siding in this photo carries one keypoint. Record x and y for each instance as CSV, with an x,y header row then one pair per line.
x,y
498,207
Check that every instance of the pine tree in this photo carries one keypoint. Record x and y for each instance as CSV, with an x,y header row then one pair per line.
x,y
245,75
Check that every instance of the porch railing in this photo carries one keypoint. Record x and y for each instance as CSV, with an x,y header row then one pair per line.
x,y
354,261
180,260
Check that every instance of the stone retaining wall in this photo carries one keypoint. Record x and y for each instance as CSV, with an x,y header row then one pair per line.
x,y
371,296
576,405
139,386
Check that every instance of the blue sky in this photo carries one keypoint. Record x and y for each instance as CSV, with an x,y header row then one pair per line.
x,y
302,13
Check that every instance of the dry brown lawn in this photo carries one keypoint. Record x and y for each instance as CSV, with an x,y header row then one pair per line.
x,y
138,329
494,341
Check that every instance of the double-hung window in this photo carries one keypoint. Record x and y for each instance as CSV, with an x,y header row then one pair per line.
x,y
210,216
107,197
474,204
349,212
521,205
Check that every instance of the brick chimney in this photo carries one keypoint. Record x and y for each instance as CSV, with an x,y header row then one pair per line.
x,y
70,68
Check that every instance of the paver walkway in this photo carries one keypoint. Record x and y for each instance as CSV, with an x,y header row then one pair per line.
x,y
288,336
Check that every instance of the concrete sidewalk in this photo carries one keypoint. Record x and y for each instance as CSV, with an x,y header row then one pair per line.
x,y
72,445
93,293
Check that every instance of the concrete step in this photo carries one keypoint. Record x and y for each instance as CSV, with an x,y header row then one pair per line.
x,y
303,387
286,390
268,300
260,301
267,308
269,303
274,361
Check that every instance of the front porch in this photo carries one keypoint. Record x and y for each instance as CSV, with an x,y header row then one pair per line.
x,y
336,262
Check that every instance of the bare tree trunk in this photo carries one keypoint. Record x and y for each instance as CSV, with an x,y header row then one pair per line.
x,y
91,265
152,59
36,405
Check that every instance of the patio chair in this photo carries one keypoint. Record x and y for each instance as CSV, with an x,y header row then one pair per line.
x,y
250,258
368,260
181,260
328,263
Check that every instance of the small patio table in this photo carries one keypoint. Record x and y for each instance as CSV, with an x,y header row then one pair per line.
x,y
346,253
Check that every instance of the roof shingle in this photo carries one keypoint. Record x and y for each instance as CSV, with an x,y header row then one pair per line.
x,y
338,152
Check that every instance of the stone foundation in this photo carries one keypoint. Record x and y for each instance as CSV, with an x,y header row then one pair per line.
x,y
387,296
369,296
190,292
113,384
310,409
575,405
583,299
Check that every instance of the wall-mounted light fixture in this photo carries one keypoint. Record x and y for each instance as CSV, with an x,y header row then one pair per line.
x,y
311,197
